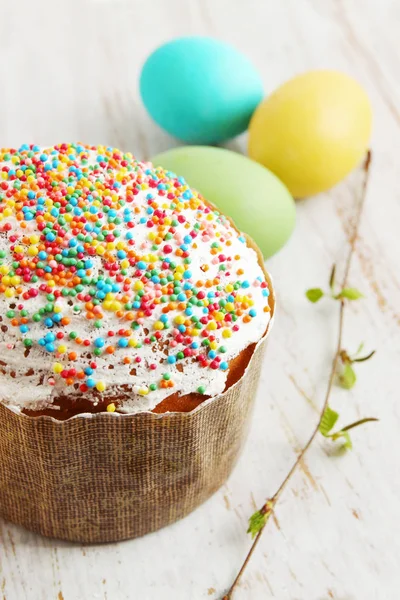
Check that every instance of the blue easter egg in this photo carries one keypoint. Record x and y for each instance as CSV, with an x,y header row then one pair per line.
x,y
200,90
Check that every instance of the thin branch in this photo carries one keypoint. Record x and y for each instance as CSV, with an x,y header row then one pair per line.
x,y
272,501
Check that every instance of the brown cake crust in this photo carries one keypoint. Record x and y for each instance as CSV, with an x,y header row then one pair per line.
x,y
65,407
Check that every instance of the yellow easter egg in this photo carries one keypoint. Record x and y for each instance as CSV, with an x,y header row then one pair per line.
x,y
312,131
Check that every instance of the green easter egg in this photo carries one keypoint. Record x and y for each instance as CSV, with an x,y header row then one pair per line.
x,y
242,189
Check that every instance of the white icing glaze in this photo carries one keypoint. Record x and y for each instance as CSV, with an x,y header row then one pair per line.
x,y
27,378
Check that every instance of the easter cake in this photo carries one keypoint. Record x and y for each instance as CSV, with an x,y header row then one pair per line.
x,y
121,288
123,293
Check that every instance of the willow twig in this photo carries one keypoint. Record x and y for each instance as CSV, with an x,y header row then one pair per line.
x,y
269,505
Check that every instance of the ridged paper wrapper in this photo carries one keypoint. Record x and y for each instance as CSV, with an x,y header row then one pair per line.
x,y
107,477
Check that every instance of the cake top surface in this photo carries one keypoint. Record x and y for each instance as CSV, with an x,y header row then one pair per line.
x,y
116,278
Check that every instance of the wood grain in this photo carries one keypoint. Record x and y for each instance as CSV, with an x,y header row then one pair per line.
x,y
69,72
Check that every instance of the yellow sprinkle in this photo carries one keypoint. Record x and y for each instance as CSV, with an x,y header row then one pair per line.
x,y
57,367
9,293
116,306
139,285
226,333
179,320
132,343
101,386
229,306
33,251
100,250
219,316
34,239
229,288
111,407
212,326
62,349
143,391
15,280
158,325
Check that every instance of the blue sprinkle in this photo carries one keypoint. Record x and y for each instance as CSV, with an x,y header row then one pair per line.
x,y
99,342
50,347
212,354
223,365
252,312
49,322
90,382
123,343
88,371
24,328
171,360
187,274
181,297
163,318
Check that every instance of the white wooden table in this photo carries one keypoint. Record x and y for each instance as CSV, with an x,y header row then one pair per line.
x,y
68,72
